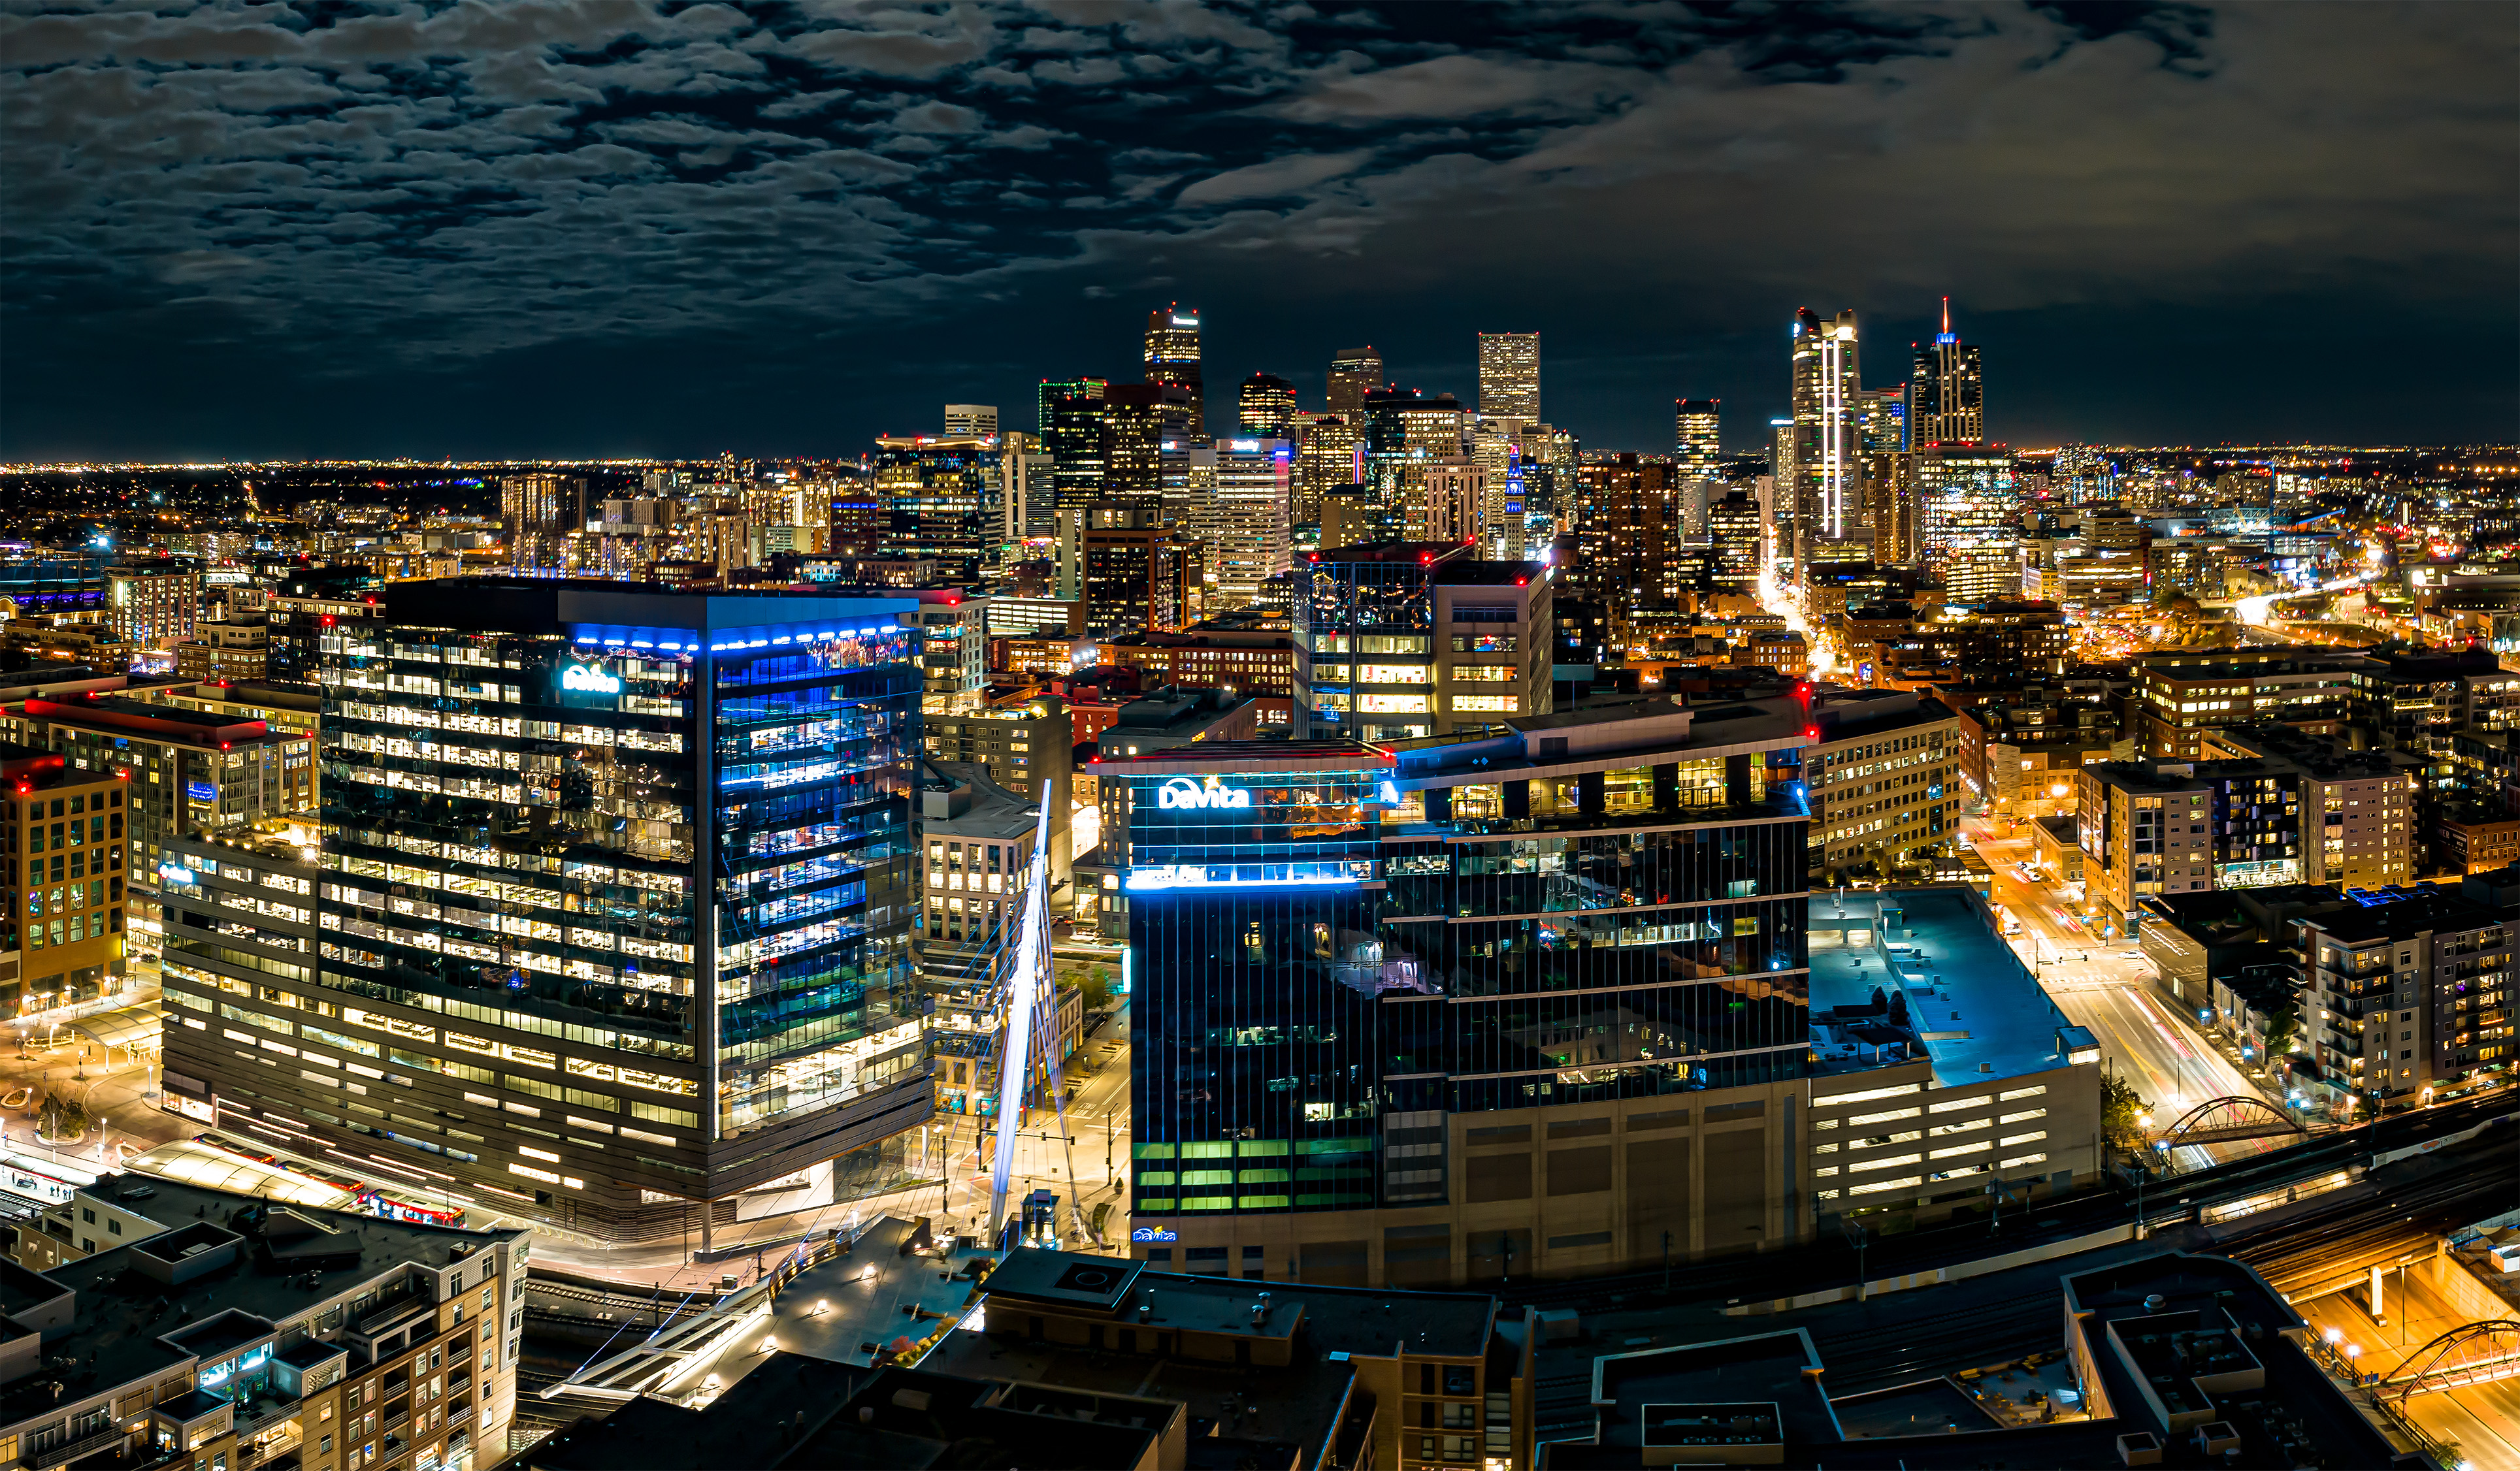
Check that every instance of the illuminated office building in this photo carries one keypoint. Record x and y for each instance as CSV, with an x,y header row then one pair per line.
x,y
1071,434
1732,535
1172,357
1696,437
1355,371
1326,463
1405,431
1244,518
1137,421
974,419
1628,534
1509,377
1889,493
1528,1002
1829,455
1395,640
614,903
943,499
1267,410
1947,394
1968,519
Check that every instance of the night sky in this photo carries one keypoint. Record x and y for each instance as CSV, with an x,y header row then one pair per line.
x,y
630,227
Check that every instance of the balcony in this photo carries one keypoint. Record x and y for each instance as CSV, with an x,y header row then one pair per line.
x,y
71,1450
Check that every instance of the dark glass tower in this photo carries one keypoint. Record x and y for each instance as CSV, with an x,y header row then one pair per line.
x,y
626,873
1340,946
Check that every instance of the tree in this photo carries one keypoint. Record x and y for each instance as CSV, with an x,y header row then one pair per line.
x,y
2282,1021
60,1118
1097,987
2121,1113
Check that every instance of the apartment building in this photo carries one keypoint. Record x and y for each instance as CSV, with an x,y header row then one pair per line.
x,y
2183,694
224,1330
2359,818
2411,989
154,605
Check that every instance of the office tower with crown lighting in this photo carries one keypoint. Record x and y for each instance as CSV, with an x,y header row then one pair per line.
x,y
1172,357
628,931
1698,439
1072,412
1268,407
1947,395
1829,455
1509,377
1243,518
1355,371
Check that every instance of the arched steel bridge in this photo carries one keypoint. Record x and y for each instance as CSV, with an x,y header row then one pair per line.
x,y
2473,1354
2223,1120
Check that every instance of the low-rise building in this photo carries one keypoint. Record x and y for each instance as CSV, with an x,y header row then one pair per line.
x,y
2474,839
221,1329
2413,987
225,652
1917,1116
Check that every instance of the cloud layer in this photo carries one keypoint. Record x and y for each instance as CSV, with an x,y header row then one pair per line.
x,y
585,225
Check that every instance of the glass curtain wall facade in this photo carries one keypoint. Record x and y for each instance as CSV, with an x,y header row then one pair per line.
x,y
1340,945
638,858
1365,661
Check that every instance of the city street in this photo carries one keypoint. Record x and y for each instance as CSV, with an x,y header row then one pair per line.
x,y
2482,1419
2106,985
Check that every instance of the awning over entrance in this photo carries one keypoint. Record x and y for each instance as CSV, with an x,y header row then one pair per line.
x,y
122,1027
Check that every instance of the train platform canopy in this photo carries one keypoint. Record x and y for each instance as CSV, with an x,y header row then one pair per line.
x,y
213,1169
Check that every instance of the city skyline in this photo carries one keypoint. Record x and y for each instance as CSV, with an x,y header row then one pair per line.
x,y
616,231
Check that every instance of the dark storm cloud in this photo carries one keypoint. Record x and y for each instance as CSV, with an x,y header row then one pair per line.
x,y
582,225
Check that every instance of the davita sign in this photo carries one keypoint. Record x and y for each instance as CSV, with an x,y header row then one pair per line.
x,y
1181,792
586,678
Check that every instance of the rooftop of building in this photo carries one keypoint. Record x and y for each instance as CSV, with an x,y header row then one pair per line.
x,y
594,607
32,768
971,805
1297,1402
795,1410
2150,775
1454,562
1863,714
104,712
2402,913
2156,1326
2323,756
1973,1009
124,1310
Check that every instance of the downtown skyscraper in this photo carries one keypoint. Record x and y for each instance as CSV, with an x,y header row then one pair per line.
x,y
1355,371
1947,395
1509,377
1172,357
1697,436
1827,492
